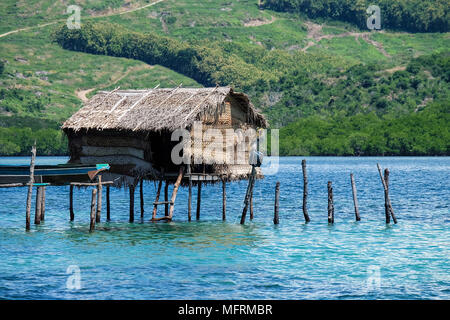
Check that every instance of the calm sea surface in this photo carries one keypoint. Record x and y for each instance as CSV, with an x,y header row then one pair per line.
x,y
211,259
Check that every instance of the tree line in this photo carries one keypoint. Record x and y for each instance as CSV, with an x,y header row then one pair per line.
x,y
408,15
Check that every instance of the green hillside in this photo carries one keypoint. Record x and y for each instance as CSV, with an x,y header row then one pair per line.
x,y
308,73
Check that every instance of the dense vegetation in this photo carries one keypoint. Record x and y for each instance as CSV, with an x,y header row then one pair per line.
x,y
409,15
422,133
17,135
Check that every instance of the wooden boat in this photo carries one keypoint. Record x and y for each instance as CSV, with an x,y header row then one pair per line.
x,y
54,174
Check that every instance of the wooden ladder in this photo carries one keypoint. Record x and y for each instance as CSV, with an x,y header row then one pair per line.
x,y
171,203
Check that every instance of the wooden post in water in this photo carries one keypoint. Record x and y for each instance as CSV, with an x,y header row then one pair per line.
x,y
141,195
155,207
99,199
190,193
37,210
251,181
72,215
30,187
199,199
175,191
132,203
43,204
94,196
305,191
387,200
355,197
224,200
251,206
166,199
108,205
330,204
276,219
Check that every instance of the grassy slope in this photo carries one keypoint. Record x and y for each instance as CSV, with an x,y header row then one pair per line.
x,y
31,51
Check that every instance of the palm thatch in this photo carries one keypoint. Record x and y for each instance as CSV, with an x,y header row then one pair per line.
x,y
155,110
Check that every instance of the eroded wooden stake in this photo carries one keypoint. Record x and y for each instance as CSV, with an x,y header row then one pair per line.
x,y
155,207
387,200
30,187
305,191
72,215
166,198
224,200
108,205
355,197
141,195
199,199
99,199
330,204
132,203
37,211
276,219
43,204
93,210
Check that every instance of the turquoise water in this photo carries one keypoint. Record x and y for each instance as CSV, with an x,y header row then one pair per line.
x,y
211,259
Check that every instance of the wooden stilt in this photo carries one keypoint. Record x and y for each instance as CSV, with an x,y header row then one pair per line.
x,y
305,191
174,196
72,215
30,187
387,211
43,204
251,206
387,200
108,207
355,197
224,200
93,211
37,212
166,198
251,181
141,194
132,203
190,195
99,199
330,204
276,219
155,207
199,199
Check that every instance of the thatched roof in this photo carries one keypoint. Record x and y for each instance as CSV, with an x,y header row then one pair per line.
x,y
156,109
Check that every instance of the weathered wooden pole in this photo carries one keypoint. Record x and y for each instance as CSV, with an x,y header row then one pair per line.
x,y
330,204
251,181
43,204
166,198
155,207
38,208
276,219
355,197
132,203
190,200
199,199
94,196
251,206
108,205
30,187
305,191
387,200
224,200
174,192
99,199
72,215
141,195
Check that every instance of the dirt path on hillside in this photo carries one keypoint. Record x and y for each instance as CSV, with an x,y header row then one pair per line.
x,y
91,17
259,22
82,94
315,35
